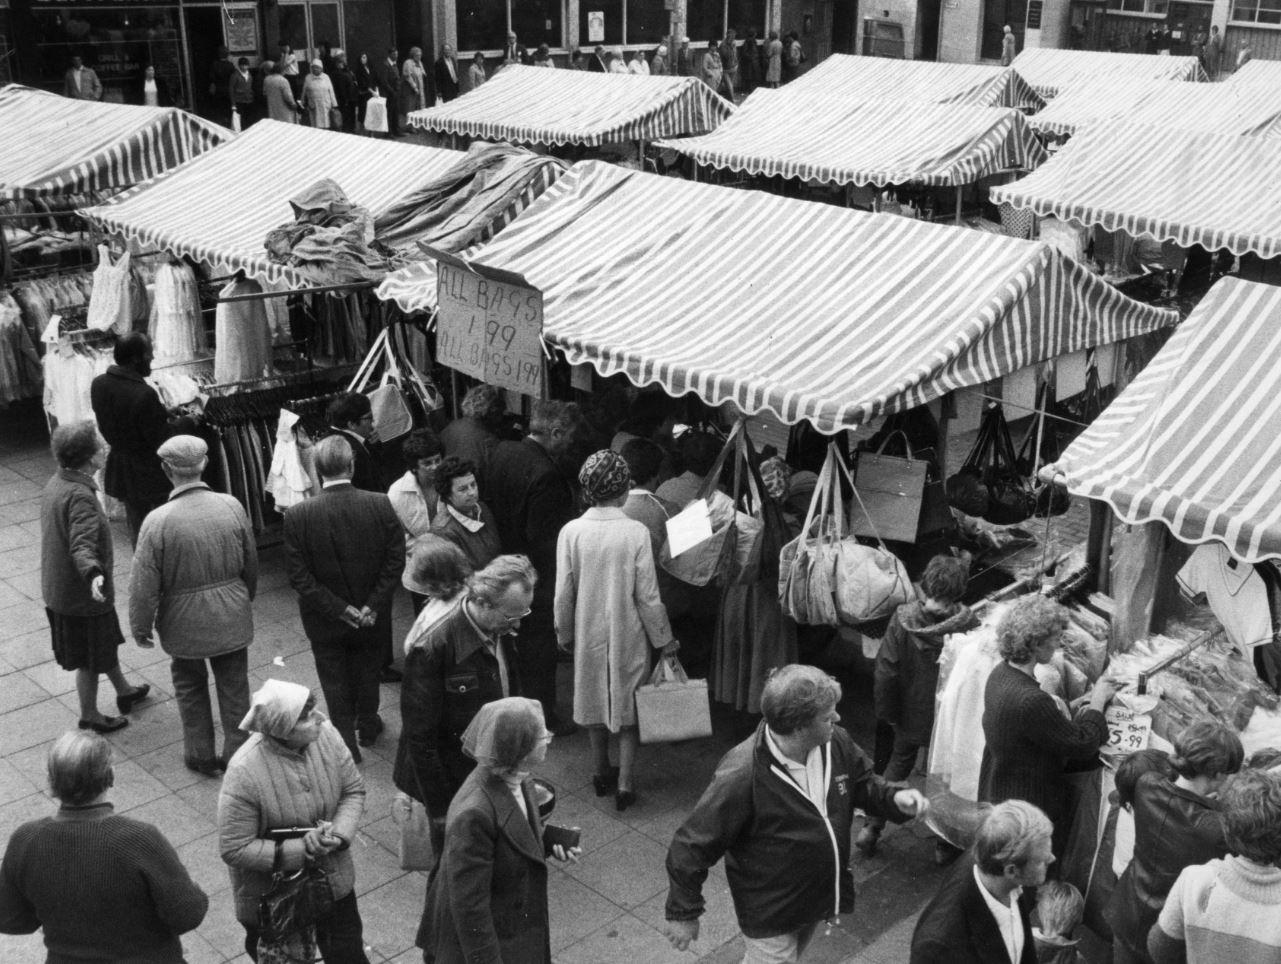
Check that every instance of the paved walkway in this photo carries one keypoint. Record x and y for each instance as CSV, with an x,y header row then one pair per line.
x,y
608,908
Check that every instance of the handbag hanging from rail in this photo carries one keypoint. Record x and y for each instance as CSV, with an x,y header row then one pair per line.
x,y
289,911
904,504
1040,447
992,465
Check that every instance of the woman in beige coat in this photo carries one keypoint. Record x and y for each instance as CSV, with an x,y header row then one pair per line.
x,y
607,610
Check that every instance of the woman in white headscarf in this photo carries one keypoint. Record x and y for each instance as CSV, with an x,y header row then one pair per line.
x,y
318,97
292,794
488,898
617,65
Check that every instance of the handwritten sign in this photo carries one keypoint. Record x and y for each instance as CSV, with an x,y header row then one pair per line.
x,y
1127,731
489,329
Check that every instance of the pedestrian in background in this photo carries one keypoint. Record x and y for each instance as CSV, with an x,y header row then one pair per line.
x,y
638,65
240,93
365,84
476,72
220,72
413,86
440,572
351,416
77,576
749,64
543,56
773,56
465,520
387,75
279,96
346,91
476,432
658,67
102,887
414,496
193,581
318,98
686,66
446,74
1212,54
1007,46
712,71
151,90
81,82
345,553
729,64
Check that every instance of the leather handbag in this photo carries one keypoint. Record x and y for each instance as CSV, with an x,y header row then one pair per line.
x,y
671,706
892,488
289,910
335,118
992,464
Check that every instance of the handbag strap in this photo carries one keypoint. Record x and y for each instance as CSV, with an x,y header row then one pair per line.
x,y
278,857
907,443
710,481
867,515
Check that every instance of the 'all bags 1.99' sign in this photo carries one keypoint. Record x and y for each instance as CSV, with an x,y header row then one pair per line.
x,y
489,327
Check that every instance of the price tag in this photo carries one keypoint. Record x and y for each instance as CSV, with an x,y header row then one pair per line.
x,y
490,329
1127,731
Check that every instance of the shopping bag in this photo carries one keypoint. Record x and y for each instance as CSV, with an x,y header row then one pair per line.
x,y
415,836
335,119
993,465
376,115
392,418
701,563
892,489
671,706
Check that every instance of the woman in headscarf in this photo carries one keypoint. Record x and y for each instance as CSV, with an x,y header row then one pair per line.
x,y
318,97
608,613
413,91
617,65
292,794
488,898
658,66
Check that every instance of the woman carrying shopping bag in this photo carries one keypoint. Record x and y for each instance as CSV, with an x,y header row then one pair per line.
x,y
607,610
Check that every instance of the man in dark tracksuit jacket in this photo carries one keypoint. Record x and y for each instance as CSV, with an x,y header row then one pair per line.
x,y
779,810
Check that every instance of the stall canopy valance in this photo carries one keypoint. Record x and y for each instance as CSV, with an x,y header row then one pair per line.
x,y
1051,71
1194,441
1214,190
1208,108
818,312
533,105
56,145
219,207
846,77
779,133
1257,72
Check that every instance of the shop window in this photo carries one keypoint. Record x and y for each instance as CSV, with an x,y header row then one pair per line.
x,y
1257,11
367,33
535,22
705,20
482,24
648,22
1155,7
745,15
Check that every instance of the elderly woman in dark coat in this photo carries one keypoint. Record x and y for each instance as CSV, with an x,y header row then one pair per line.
x,y
76,576
1028,740
466,521
488,899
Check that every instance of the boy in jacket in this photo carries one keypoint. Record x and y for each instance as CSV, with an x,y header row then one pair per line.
x,y
907,671
779,810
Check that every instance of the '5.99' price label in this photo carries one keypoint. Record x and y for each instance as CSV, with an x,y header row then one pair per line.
x,y
1127,731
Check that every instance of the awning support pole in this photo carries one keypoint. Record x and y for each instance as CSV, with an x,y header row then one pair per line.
x,y
263,295
958,204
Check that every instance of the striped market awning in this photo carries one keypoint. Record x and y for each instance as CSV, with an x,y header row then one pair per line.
x,y
1257,72
56,145
219,207
1176,105
785,133
847,77
812,312
1215,190
1052,72
535,105
1194,441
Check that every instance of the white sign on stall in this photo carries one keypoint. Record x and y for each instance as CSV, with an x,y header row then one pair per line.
x,y
1127,730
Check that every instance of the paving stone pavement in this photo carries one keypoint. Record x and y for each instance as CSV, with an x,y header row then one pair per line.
x,y
608,908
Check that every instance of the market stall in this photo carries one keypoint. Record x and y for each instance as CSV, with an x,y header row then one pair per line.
x,y
1252,72
531,105
851,78
1052,72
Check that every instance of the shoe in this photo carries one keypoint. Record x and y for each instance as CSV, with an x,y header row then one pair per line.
x,y
603,783
567,728
391,675
109,724
368,734
208,768
127,701
945,853
867,840
623,799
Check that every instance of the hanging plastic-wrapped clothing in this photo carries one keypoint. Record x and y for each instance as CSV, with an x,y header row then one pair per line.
x,y
177,332
288,481
242,335
111,304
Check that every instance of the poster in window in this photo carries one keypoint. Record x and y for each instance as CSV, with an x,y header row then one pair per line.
x,y
596,26
241,26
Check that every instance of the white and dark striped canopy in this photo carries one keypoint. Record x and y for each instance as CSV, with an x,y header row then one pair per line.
x,y
1257,72
219,207
534,105
846,77
1052,72
783,133
1194,441
805,310
1176,105
1215,190
55,145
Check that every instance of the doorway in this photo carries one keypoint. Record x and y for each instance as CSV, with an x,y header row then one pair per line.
x,y
204,37
845,27
305,26
927,29
996,14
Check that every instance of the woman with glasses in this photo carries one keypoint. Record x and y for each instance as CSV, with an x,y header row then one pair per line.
x,y
462,661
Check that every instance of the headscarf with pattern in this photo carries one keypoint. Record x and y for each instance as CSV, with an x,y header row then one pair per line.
x,y
604,476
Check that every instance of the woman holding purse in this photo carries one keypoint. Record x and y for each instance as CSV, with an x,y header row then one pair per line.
x,y
608,612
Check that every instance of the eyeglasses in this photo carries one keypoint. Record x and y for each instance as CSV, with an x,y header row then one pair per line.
x,y
514,617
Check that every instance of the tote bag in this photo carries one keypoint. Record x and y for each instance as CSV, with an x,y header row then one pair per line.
x,y
376,115
415,835
893,490
702,563
671,706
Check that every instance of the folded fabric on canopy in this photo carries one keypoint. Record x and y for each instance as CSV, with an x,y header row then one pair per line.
x,y
785,133
1194,441
1216,190
56,145
532,105
1051,71
920,81
817,312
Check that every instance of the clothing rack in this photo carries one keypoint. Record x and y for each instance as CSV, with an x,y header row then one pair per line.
x,y
1201,641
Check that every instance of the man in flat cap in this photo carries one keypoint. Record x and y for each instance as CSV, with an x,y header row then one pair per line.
x,y
194,576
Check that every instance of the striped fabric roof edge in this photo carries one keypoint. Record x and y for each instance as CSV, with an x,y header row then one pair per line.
x,y
919,81
1109,176
535,105
77,146
1050,71
1193,442
836,141
950,307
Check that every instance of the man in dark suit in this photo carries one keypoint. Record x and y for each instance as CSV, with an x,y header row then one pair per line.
x,y
80,82
388,76
532,499
596,63
980,913
351,416
514,51
446,73
345,552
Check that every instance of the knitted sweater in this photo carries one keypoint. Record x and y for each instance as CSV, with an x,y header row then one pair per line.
x,y
1224,910
103,887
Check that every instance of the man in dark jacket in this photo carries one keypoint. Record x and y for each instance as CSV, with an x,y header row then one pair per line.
x,y
779,809
346,91
474,434
351,416
388,76
134,422
907,671
446,73
532,500
980,913
345,551
453,667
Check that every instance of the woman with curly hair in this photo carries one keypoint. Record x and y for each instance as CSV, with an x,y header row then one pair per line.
x,y
1028,741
